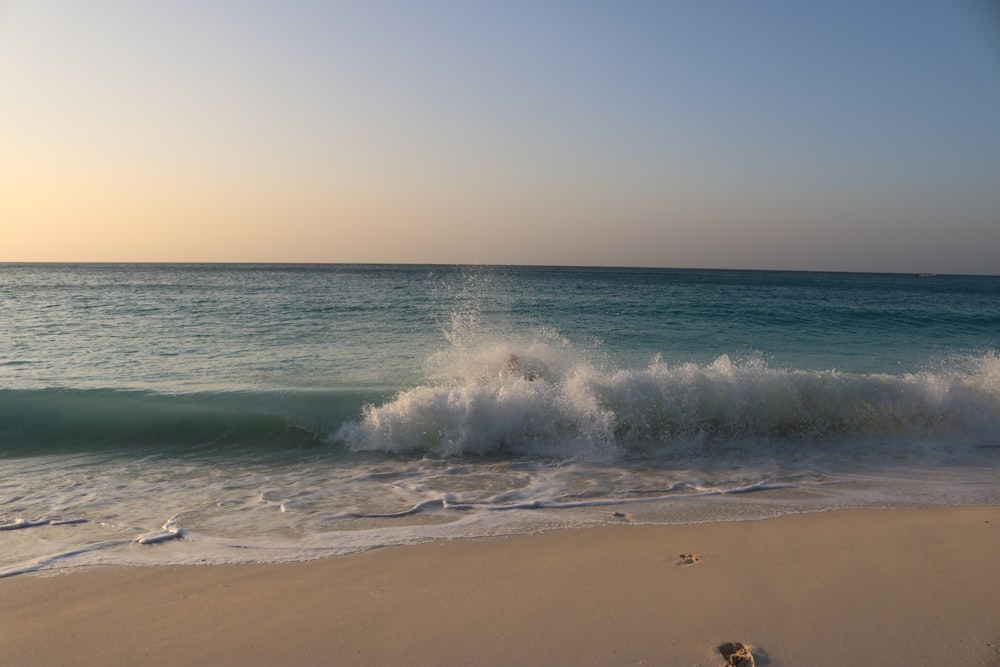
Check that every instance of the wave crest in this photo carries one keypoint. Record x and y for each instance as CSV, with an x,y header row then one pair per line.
x,y
37,421
588,412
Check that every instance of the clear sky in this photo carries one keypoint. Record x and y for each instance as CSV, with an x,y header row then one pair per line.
x,y
850,135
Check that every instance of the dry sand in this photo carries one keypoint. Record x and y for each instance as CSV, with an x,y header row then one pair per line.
x,y
914,587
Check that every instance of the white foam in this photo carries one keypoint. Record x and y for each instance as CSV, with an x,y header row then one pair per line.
x,y
157,536
170,531
18,524
585,412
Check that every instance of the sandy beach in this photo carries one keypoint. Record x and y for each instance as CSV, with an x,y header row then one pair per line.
x,y
905,587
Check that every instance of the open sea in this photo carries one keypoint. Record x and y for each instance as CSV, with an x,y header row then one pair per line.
x,y
168,414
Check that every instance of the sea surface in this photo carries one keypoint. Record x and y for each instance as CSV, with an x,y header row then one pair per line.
x,y
167,414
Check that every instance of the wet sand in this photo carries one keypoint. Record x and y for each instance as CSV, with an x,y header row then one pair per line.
x,y
913,587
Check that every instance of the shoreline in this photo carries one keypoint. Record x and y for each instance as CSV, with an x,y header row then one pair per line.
x,y
908,586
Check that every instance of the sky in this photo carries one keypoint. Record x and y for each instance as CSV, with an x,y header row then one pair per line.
x,y
847,136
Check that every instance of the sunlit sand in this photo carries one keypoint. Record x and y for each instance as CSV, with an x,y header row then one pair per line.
x,y
869,587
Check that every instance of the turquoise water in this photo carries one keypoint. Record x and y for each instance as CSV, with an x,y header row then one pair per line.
x,y
225,413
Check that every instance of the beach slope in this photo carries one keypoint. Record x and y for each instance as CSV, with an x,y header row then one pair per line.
x,y
871,587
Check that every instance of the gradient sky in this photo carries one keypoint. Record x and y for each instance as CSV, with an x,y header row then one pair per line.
x,y
851,135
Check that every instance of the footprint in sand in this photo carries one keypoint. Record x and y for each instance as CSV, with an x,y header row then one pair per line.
x,y
689,559
737,655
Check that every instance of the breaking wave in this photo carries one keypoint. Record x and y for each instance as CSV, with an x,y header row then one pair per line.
x,y
521,403
539,401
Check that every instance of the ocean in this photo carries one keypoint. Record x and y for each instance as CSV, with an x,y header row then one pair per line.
x,y
182,414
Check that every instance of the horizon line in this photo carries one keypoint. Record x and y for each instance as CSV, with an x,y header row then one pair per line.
x,y
471,264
